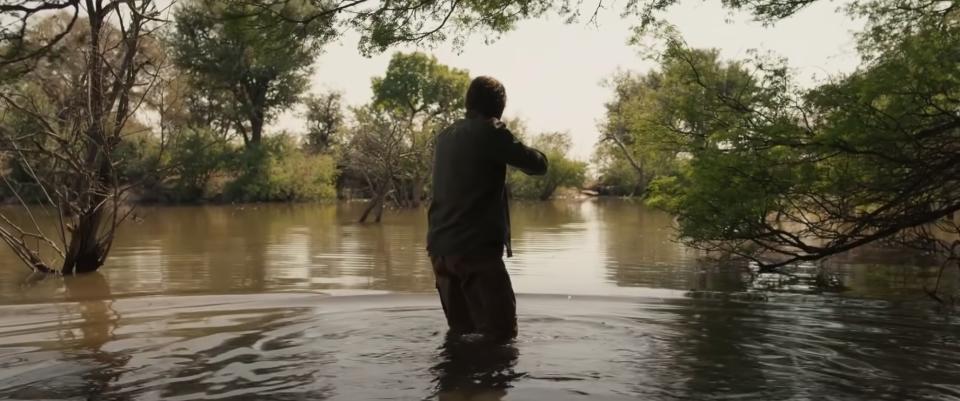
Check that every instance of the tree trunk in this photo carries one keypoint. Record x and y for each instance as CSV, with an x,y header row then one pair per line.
x,y
379,212
547,193
87,195
376,202
256,103
367,210
87,252
637,166
417,191
256,127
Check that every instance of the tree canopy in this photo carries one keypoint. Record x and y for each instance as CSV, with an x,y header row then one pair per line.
x,y
563,171
419,87
260,61
778,174
325,121
421,96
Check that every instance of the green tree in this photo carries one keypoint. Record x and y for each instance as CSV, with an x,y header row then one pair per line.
x,y
421,96
616,176
655,118
196,157
793,175
250,58
563,172
259,61
381,26
280,170
325,121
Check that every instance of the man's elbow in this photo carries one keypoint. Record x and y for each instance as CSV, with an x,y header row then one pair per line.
x,y
540,168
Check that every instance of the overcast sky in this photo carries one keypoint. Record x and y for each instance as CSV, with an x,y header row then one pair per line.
x,y
554,71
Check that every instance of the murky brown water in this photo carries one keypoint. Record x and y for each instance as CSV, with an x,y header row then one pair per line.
x,y
298,302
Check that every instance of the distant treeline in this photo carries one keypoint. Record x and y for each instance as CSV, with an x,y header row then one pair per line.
x,y
205,136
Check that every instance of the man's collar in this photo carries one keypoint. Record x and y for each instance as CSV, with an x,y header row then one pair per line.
x,y
472,114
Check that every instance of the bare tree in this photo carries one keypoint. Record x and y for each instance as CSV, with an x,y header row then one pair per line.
x,y
66,147
375,152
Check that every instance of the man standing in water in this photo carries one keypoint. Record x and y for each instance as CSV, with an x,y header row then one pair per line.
x,y
469,219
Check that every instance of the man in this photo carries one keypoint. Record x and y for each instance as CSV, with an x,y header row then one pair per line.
x,y
469,220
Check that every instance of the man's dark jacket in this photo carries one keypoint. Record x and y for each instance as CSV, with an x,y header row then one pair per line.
x,y
469,212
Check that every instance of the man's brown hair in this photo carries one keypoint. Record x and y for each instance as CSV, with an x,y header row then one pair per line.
x,y
486,96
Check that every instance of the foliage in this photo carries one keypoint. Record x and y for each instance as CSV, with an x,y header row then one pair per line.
x,y
783,175
65,127
617,177
563,172
423,21
417,86
325,121
198,165
249,64
196,156
53,89
421,96
280,171
248,59
656,118
140,162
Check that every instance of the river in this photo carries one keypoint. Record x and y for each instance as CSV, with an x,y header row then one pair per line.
x,y
291,302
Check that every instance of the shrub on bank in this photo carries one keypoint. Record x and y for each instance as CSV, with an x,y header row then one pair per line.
x,y
561,171
619,178
279,170
198,165
196,157
139,158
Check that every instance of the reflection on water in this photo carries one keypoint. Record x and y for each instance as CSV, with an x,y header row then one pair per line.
x,y
470,371
234,303
600,247
90,295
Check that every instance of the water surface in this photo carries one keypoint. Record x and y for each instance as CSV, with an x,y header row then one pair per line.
x,y
299,302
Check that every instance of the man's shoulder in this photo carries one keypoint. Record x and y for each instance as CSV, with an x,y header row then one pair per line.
x,y
469,126
480,125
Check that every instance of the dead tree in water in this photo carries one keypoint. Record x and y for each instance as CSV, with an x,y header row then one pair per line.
x,y
63,140
376,149
422,96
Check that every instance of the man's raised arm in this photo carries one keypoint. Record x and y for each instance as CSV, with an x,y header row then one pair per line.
x,y
508,149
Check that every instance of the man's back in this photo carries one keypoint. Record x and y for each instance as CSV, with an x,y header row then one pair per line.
x,y
468,213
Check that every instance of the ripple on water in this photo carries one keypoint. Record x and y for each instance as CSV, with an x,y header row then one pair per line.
x,y
303,346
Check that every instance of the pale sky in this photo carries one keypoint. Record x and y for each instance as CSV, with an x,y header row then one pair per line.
x,y
553,72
